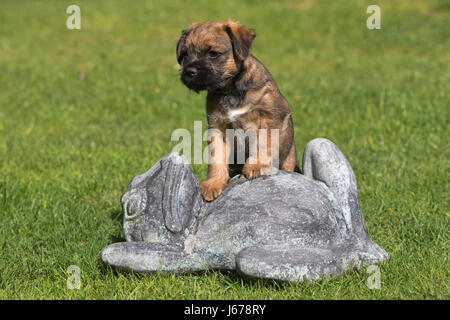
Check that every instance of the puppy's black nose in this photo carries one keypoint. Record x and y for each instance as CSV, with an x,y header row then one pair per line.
x,y
190,72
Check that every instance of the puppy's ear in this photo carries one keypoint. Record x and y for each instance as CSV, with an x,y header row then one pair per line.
x,y
181,48
241,39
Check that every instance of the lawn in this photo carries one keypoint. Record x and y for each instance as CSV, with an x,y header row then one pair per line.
x,y
83,111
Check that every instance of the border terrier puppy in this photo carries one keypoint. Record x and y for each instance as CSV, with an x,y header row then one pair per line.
x,y
215,56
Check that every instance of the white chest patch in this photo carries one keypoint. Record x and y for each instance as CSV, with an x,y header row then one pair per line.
x,y
236,113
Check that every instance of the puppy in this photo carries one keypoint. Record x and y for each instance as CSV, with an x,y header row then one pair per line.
x,y
215,56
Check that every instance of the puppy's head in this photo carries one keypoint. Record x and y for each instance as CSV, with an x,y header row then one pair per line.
x,y
211,53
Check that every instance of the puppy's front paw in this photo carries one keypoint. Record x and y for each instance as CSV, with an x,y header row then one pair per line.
x,y
254,170
211,189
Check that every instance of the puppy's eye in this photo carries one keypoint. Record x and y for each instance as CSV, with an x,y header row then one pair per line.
x,y
213,54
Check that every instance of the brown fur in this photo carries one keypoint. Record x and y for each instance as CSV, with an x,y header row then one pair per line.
x,y
216,57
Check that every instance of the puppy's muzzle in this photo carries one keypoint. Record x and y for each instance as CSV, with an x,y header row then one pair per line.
x,y
194,76
190,72
189,76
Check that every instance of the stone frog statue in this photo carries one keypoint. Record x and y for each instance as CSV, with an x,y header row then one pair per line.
x,y
285,225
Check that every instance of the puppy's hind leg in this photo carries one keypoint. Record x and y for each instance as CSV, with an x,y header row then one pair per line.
x,y
291,162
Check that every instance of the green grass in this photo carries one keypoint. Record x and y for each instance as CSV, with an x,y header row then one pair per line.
x,y
69,144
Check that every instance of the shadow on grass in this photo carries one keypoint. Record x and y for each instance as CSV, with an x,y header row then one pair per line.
x,y
235,278
116,216
222,277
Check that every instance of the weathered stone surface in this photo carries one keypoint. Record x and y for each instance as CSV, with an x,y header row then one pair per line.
x,y
284,225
